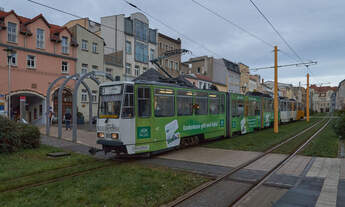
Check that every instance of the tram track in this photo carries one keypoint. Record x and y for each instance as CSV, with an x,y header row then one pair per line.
x,y
207,185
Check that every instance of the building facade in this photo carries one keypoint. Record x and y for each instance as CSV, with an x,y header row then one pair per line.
x,y
321,98
90,57
42,53
340,96
210,67
172,64
233,76
133,39
244,80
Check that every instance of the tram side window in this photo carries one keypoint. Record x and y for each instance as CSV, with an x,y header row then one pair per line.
x,y
214,104
257,108
128,105
184,101
251,109
144,102
202,102
164,102
222,104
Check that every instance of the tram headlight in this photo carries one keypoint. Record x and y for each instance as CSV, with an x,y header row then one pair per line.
x,y
114,135
100,135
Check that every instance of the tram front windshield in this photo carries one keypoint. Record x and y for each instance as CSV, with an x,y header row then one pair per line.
x,y
110,102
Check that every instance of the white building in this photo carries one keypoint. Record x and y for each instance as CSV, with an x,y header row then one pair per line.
x,y
131,38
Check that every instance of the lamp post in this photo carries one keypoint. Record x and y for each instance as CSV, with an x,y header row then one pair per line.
x,y
10,52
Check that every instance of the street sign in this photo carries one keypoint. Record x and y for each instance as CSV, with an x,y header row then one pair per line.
x,y
22,98
2,95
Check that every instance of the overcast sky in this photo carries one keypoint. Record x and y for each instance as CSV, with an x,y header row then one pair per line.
x,y
314,28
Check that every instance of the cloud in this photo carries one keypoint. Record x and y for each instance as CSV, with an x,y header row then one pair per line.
x,y
314,29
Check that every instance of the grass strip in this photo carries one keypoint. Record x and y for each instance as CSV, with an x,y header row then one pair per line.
x,y
31,161
128,184
293,144
324,144
263,139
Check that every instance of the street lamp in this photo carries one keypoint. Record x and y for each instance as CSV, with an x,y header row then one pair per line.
x,y
10,52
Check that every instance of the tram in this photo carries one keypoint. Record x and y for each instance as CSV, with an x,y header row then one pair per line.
x,y
150,116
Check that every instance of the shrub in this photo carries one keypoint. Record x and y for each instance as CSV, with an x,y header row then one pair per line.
x,y
339,126
15,136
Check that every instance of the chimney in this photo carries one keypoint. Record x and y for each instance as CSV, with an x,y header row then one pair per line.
x,y
262,81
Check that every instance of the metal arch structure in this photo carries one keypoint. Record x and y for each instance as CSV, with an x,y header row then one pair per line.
x,y
90,75
62,87
48,103
48,100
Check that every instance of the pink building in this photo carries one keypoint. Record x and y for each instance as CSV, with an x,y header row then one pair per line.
x,y
42,53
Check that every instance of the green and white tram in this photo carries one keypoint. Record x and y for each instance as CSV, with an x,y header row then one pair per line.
x,y
151,116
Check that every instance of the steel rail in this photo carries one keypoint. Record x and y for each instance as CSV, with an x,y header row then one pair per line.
x,y
211,183
276,168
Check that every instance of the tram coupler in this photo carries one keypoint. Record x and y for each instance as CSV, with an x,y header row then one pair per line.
x,y
94,150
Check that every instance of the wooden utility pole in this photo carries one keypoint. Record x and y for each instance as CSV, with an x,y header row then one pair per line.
x,y
276,89
307,97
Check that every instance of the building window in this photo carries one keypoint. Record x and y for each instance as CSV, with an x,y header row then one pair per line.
x,y
94,67
94,96
109,71
152,54
166,62
84,45
117,78
160,45
171,64
13,60
64,67
64,45
199,70
141,30
31,61
176,66
152,36
83,95
40,38
136,70
144,69
128,68
94,47
166,47
84,68
141,52
12,32
128,47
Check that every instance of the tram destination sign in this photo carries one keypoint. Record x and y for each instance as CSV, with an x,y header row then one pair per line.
x,y
108,90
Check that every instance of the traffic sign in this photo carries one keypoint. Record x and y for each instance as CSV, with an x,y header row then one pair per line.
x,y
22,98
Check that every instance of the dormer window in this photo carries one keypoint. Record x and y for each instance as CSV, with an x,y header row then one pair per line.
x,y
12,32
64,44
40,38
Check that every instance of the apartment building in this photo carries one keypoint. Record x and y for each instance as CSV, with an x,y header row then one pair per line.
x,y
340,96
244,79
321,98
41,52
172,64
90,57
133,39
233,76
210,67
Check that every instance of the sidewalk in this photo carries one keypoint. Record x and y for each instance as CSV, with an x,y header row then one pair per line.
x,y
84,136
73,147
